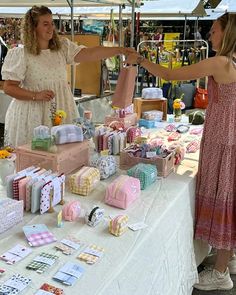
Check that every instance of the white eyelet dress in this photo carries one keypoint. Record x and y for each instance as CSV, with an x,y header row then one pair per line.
x,y
46,71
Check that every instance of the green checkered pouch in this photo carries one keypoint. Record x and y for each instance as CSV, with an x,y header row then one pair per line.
x,y
42,262
146,173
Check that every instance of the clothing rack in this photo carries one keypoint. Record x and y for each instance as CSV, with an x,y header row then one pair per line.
x,y
184,47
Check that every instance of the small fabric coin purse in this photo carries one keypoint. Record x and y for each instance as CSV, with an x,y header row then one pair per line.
x,y
118,225
71,211
94,216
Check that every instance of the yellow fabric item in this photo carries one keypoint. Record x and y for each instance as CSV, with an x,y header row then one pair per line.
x,y
84,181
118,225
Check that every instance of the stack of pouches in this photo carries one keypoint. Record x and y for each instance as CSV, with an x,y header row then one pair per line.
x,y
39,189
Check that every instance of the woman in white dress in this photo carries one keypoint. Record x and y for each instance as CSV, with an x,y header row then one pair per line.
x,y
35,75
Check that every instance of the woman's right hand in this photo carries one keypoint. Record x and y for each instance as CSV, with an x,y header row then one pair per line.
x,y
45,95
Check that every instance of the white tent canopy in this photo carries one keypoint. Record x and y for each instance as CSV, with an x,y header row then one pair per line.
x,y
162,8
226,6
60,3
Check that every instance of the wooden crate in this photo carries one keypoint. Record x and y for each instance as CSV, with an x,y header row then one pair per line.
x,y
68,157
143,105
164,165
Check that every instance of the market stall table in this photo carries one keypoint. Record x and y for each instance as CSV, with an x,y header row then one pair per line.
x,y
159,259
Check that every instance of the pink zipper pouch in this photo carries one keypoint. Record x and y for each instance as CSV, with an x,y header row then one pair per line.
x,y
123,191
71,211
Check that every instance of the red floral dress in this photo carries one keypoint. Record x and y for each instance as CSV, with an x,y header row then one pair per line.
x,y
216,181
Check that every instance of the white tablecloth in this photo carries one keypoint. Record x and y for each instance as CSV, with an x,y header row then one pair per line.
x,y
158,260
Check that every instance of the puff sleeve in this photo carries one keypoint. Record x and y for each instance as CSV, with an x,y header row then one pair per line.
x,y
70,49
14,66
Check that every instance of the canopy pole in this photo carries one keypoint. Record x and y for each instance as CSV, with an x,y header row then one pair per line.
x,y
120,34
72,80
185,26
132,24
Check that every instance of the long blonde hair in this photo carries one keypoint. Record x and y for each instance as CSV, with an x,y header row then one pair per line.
x,y
228,45
29,24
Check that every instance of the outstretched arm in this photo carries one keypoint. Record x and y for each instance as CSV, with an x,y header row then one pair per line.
x,y
207,67
100,52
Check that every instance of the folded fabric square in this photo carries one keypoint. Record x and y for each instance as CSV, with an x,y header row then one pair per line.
x,y
49,289
91,254
69,273
42,262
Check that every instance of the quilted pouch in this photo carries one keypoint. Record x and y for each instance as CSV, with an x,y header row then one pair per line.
x,y
106,165
84,181
71,211
122,192
67,133
118,225
146,173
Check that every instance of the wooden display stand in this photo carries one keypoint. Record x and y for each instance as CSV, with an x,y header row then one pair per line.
x,y
87,74
143,105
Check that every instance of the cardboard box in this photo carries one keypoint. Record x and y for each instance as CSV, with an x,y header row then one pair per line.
x,y
164,165
127,121
68,157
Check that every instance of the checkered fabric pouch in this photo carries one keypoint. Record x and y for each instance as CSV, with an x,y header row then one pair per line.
x,y
42,262
146,173
66,133
84,181
118,225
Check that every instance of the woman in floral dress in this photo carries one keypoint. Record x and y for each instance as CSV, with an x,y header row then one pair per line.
x,y
215,215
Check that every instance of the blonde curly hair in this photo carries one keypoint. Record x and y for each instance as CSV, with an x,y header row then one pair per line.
x,y
29,24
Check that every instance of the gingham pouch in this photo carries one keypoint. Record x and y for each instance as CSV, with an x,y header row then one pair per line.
x,y
146,173
118,225
84,181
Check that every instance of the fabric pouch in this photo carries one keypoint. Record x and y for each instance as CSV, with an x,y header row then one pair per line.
x,y
146,173
106,165
84,181
71,211
118,225
94,216
67,133
122,192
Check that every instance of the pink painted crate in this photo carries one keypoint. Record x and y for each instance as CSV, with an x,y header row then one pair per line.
x,y
164,165
128,120
68,157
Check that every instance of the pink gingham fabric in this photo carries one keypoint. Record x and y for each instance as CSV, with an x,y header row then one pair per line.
x,y
41,239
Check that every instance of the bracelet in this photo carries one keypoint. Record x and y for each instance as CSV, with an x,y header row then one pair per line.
x,y
140,59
